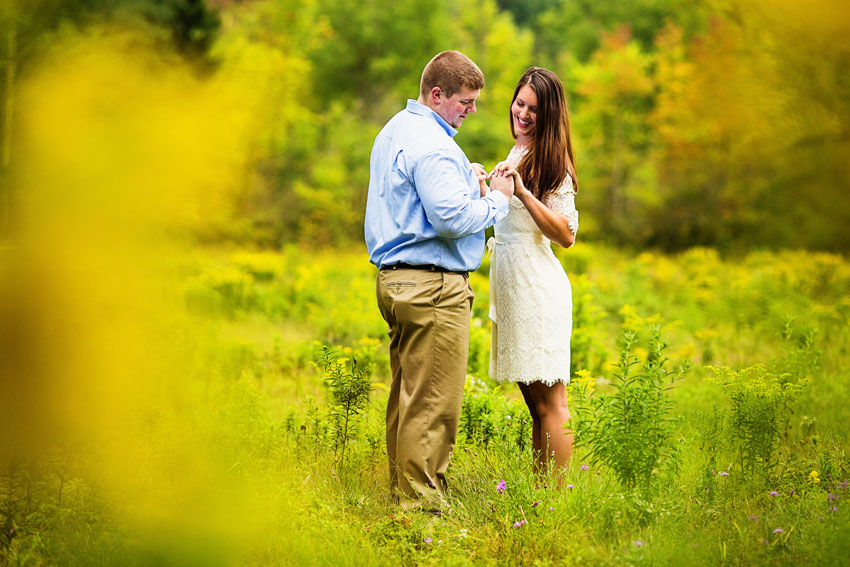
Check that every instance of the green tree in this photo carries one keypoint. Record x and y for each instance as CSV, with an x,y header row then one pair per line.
x,y
578,27
503,51
614,100
751,117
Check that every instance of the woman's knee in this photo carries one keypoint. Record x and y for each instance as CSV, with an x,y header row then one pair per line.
x,y
550,401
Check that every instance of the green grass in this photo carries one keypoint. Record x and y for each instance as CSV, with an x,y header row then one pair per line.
x,y
227,457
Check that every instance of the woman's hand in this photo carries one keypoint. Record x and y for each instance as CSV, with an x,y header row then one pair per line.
x,y
500,169
519,187
504,169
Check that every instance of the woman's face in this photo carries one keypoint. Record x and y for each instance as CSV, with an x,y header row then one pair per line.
x,y
524,113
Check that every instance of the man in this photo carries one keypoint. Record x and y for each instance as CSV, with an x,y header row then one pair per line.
x,y
425,217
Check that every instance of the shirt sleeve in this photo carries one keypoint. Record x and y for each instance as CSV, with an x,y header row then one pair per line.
x,y
449,198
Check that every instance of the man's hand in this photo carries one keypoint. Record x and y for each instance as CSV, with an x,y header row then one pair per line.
x,y
482,176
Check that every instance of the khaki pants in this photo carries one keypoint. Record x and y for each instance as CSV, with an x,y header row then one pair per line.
x,y
428,314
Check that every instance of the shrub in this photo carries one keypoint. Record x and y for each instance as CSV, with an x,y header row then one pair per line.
x,y
349,386
759,412
629,430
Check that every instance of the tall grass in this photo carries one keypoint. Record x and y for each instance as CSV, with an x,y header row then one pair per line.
x,y
238,461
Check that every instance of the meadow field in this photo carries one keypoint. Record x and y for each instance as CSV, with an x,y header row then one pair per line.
x,y
724,441
193,368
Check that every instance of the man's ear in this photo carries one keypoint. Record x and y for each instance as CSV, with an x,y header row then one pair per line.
x,y
436,95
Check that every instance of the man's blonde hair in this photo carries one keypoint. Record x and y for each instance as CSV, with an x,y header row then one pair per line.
x,y
452,71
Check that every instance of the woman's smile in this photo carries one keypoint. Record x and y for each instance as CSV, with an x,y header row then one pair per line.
x,y
524,111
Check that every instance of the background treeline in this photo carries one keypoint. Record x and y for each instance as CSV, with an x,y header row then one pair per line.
x,y
717,122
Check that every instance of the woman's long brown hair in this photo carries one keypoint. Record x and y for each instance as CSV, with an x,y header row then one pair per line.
x,y
550,159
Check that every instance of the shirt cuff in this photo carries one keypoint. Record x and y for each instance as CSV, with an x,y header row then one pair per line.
x,y
499,199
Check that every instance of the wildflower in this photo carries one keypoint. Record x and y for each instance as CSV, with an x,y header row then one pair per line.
x,y
638,543
793,491
764,541
519,524
814,478
773,493
779,531
427,540
551,508
753,518
500,488
833,497
585,467
833,509
430,484
723,473
463,533
535,504
570,487
843,485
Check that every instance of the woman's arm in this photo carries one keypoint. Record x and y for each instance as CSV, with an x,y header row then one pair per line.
x,y
554,225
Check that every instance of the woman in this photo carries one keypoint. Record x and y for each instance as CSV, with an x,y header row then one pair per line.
x,y
530,294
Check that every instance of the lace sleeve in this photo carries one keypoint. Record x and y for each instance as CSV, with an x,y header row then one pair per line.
x,y
563,200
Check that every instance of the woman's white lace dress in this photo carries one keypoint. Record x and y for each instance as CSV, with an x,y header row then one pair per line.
x,y
531,302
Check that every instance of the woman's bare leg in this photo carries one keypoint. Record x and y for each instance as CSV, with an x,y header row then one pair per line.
x,y
536,445
550,406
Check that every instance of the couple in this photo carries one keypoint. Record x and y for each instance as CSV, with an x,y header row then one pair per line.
x,y
426,212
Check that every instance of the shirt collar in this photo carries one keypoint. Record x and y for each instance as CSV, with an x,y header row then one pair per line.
x,y
422,110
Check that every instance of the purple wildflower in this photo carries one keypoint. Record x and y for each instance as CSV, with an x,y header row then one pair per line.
x,y
773,493
500,488
843,485
570,487
536,504
519,524
833,509
833,497
638,543
585,467
753,518
723,473
793,491
551,508
779,531
427,540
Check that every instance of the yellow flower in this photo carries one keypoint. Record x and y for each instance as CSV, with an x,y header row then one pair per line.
x,y
813,477
584,378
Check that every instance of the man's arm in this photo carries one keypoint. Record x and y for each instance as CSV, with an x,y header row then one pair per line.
x,y
443,187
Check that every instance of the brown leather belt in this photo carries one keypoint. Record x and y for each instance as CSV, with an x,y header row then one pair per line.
x,y
426,267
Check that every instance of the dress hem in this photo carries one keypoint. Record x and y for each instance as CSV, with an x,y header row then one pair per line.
x,y
552,382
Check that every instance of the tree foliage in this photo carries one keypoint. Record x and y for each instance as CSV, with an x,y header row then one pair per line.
x,y
722,122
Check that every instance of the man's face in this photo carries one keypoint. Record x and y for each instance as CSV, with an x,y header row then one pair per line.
x,y
454,109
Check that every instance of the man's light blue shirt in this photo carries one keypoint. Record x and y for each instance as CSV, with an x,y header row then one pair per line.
x,y
424,204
